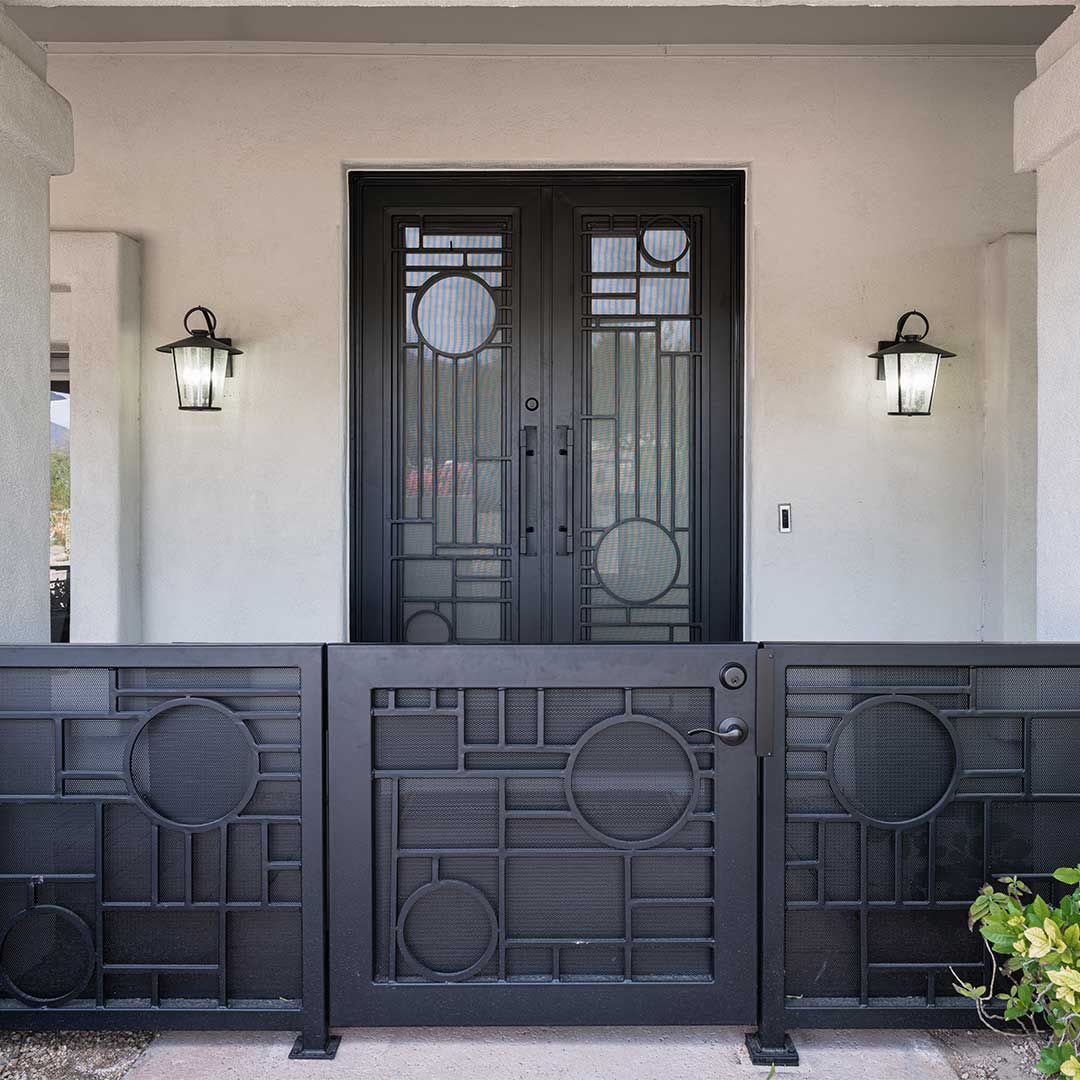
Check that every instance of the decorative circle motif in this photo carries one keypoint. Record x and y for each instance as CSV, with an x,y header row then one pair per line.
x,y
428,628
637,561
448,930
893,760
664,241
191,764
631,781
46,955
454,313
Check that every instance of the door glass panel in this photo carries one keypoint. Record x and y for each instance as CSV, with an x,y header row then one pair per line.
x,y
453,574
642,360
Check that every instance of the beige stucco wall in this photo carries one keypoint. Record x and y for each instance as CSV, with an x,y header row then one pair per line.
x,y
875,184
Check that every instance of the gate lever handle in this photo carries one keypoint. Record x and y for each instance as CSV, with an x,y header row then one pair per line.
x,y
731,732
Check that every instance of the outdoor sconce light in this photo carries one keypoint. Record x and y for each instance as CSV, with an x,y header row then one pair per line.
x,y
909,367
201,363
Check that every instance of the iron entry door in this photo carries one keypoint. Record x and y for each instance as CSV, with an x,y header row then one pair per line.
x,y
547,409
541,834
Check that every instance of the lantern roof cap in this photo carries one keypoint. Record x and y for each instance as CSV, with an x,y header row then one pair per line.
x,y
909,344
201,339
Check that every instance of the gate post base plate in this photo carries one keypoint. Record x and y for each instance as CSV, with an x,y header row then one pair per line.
x,y
326,1052
771,1055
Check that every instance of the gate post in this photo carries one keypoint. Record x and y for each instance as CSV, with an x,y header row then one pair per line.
x,y
314,1041
770,1044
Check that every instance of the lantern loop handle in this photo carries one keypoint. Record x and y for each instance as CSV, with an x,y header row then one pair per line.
x,y
211,319
911,337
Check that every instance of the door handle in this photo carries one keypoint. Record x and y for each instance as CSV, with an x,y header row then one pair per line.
x,y
526,492
731,732
564,523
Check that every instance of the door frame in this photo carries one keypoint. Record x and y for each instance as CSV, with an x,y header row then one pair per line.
x,y
733,179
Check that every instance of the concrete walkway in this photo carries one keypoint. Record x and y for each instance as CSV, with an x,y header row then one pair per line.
x,y
657,1053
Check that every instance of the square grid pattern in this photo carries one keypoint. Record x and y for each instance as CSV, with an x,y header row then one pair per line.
x,y
150,844
543,835
907,788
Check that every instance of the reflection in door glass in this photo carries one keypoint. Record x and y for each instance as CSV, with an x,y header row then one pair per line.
x,y
642,330
452,568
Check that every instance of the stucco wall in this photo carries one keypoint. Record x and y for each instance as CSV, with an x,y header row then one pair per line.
x,y
874,185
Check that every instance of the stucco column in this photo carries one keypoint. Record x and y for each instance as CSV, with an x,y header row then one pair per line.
x,y
100,324
35,143
1047,140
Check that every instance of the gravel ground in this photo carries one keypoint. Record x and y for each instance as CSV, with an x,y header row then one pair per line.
x,y
70,1055
982,1055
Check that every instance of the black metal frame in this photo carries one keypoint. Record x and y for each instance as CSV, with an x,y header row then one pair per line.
x,y
310,1014
539,198
342,987
355,672
780,1013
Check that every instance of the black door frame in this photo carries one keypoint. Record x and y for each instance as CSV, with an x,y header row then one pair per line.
x,y
726,515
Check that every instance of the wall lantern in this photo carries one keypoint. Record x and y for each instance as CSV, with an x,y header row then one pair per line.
x,y
201,363
909,367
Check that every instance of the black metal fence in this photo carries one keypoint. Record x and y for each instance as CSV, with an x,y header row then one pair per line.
x,y
912,774
162,849
161,838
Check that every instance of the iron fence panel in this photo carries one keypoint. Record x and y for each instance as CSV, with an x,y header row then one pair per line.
x,y
161,838
905,776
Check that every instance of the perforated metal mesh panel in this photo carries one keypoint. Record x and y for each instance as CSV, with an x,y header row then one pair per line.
x,y
906,787
150,853
538,835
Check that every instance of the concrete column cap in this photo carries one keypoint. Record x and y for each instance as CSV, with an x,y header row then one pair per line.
x,y
34,119
1046,115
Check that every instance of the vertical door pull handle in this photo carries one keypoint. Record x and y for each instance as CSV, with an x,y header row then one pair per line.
x,y
526,490
564,458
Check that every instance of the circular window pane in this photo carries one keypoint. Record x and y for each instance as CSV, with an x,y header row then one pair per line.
x,y
193,764
455,314
893,761
631,782
665,243
637,561
427,628
448,929
46,955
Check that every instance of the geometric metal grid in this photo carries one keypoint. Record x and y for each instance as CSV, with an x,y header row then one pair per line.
x,y
906,787
451,555
551,835
641,343
151,835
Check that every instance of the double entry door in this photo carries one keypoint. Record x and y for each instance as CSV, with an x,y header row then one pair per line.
x,y
546,407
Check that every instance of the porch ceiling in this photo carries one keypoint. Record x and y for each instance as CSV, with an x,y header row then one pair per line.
x,y
548,24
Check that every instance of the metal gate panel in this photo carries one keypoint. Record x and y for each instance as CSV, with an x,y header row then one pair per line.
x,y
910,775
161,837
534,834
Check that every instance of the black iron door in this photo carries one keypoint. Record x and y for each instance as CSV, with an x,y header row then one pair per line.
x,y
524,834
547,408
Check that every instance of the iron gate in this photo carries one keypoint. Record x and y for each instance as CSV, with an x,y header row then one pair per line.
x,y
161,838
558,836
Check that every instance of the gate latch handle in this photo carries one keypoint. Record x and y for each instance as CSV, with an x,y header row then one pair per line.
x,y
731,732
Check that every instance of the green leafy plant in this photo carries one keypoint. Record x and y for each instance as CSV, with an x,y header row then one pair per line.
x,y
1036,952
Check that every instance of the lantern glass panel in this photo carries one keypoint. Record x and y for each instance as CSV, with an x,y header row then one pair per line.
x,y
200,376
909,382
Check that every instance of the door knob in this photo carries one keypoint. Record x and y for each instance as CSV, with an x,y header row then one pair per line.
x,y
731,732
